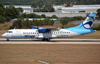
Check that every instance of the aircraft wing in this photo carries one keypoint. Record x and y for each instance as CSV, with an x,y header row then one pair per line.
x,y
51,28
43,30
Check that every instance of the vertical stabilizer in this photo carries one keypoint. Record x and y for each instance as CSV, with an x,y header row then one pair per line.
x,y
88,23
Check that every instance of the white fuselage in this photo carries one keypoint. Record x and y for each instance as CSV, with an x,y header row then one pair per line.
x,y
33,33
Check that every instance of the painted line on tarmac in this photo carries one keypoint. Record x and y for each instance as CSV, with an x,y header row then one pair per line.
x,y
53,41
43,62
49,42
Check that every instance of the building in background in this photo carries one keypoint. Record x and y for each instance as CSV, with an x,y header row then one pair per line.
x,y
26,8
62,11
81,8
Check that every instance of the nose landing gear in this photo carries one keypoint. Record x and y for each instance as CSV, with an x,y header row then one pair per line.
x,y
7,39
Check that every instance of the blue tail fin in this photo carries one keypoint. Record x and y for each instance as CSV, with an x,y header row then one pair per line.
x,y
88,23
85,27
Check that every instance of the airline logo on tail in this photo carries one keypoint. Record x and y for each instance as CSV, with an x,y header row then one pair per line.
x,y
88,23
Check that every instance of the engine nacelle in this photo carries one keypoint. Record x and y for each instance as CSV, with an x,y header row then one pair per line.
x,y
44,30
34,27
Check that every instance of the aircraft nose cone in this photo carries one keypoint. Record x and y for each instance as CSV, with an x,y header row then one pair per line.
x,y
3,35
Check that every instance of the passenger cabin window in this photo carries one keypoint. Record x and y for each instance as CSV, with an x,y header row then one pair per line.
x,y
24,33
9,32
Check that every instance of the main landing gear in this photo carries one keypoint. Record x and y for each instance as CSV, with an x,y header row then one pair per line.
x,y
46,39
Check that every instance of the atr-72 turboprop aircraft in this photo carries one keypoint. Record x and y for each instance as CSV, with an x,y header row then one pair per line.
x,y
49,33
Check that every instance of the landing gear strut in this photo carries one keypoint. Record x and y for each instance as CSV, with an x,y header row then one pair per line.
x,y
46,39
43,39
7,39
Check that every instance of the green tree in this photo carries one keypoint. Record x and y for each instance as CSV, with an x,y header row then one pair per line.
x,y
12,12
52,9
23,15
48,5
26,23
34,10
2,9
40,3
36,22
44,16
1,5
54,16
32,15
98,12
2,19
8,18
9,12
45,9
20,9
64,20
97,28
34,4
17,23
16,12
51,22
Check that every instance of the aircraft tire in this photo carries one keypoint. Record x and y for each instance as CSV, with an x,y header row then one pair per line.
x,y
43,39
48,39
7,39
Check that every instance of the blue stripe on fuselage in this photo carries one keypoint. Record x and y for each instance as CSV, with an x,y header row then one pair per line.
x,y
31,36
81,31
20,36
13,36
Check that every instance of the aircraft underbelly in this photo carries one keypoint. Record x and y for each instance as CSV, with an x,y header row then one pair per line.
x,y
46,36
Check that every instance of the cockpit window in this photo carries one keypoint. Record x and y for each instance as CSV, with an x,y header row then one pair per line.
x,y
9,32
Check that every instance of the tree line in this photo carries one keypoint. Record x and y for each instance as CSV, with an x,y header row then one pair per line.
x,y
44,9
32,15
65,20
41,2
20,23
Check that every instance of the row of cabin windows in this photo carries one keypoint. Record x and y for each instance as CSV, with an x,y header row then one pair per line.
x,y
30,33
45,33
